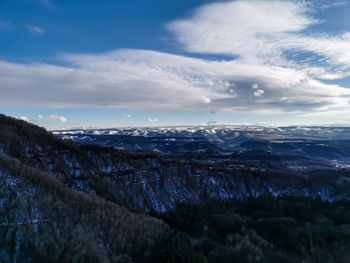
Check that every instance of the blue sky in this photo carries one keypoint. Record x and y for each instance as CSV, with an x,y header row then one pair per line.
x,y
111,63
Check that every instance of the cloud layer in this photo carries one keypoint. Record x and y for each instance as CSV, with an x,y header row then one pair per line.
x,y
263,76
138,79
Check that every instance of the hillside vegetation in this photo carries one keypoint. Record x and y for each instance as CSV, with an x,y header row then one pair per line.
x,y
65,202
278,230
142,182
42,220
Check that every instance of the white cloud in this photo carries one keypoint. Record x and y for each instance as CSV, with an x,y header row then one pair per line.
x,y
245,28
23,118
60,118
333,50
266,32
35,30
152,120
40,117
259,93
148,80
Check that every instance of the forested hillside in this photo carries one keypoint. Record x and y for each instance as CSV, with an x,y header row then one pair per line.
x,y
65,202
149,181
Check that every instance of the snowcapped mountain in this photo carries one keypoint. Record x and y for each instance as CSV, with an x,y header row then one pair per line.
x,y
312,146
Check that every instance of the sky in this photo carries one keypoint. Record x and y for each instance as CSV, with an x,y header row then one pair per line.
x,y
87,63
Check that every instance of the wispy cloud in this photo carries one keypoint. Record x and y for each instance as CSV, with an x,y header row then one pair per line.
x,y
152,120
49,4
59,118
124,116
266,32
326,4
248,29
46,2
35,30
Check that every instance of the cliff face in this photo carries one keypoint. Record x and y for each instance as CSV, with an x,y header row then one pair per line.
x,y
145,181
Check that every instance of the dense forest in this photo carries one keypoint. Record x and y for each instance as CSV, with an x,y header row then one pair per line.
x,y
42,220
286,229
